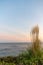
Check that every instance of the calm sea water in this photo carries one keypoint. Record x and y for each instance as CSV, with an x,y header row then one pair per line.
x,y
13,49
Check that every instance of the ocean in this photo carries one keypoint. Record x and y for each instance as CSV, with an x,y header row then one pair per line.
x,y
13,49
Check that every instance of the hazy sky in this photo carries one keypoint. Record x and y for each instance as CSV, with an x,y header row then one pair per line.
x,y
17,17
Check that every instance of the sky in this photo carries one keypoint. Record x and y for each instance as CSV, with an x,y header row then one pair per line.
x,y
17,17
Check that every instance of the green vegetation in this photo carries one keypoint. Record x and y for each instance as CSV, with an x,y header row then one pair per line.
x,y
26,58
33,56
5,63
